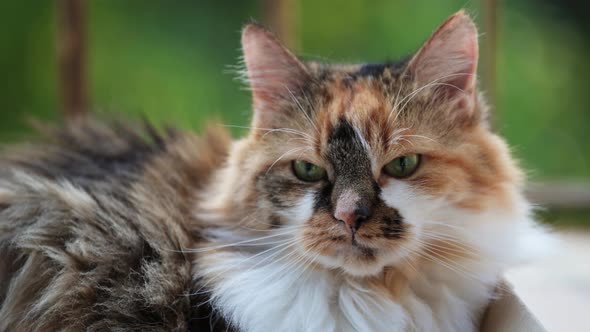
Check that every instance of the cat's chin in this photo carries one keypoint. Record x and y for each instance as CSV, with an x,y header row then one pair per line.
x,y
363,271
354,260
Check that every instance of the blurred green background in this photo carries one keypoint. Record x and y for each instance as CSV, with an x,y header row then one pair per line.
x,y
168,61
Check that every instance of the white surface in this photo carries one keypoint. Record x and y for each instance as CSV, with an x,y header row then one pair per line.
x,y
557,288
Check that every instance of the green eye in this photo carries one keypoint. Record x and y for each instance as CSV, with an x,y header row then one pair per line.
x,y
402,167
307,171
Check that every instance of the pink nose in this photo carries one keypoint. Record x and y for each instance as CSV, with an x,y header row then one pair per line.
x,y
352,218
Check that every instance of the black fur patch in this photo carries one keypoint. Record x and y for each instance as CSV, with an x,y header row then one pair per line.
x,y
204,317
323,198
352,165
372,70
393,226
347,154
376,70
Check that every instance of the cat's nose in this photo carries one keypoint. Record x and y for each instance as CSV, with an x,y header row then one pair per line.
x,y
352,209
352,218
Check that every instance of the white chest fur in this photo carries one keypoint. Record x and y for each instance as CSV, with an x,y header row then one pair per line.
x,y
258,295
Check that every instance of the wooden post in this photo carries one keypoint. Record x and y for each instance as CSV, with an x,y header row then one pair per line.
x,y
282,17
71,48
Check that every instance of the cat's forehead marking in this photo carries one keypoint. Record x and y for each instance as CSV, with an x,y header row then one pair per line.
x,y
348,154
353,100
366,99
364,105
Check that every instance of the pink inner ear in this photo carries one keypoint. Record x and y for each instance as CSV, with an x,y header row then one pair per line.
x,y
449,57
273,71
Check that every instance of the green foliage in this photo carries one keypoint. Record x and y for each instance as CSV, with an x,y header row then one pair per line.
x,y
168,62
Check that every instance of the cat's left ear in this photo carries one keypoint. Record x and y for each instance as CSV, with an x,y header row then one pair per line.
x,y
275,75
448,61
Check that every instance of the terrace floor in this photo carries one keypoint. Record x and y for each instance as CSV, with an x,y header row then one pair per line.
x,y
557,288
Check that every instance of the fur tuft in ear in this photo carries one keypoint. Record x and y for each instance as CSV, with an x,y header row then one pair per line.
x,y
448,60
275,75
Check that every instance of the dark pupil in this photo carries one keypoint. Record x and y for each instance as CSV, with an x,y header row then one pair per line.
x,y
308,167
402,164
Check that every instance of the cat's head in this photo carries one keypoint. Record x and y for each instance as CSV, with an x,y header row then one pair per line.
x,y
365,166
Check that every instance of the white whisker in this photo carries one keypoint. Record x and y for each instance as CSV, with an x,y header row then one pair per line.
x,y
239,243
285,154
300,107
418,90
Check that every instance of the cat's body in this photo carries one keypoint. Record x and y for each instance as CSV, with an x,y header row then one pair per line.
x,y
92,229
366,198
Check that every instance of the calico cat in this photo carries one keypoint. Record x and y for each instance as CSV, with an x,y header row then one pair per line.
x,y
364,198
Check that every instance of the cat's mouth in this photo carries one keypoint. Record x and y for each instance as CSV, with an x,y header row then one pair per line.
x,y
355,248
362,250
356,242
357,259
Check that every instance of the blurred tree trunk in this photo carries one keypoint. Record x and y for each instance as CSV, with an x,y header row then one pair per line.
x,y
282,17
71,48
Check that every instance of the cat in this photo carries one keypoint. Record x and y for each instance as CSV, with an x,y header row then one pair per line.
x,y
367,197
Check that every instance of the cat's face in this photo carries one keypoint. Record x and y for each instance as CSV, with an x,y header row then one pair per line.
x,y
371,166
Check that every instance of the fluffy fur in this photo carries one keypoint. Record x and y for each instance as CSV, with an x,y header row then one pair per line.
x,y
116,228
92,229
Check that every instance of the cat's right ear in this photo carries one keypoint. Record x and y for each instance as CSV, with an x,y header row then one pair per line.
x,y
274,74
